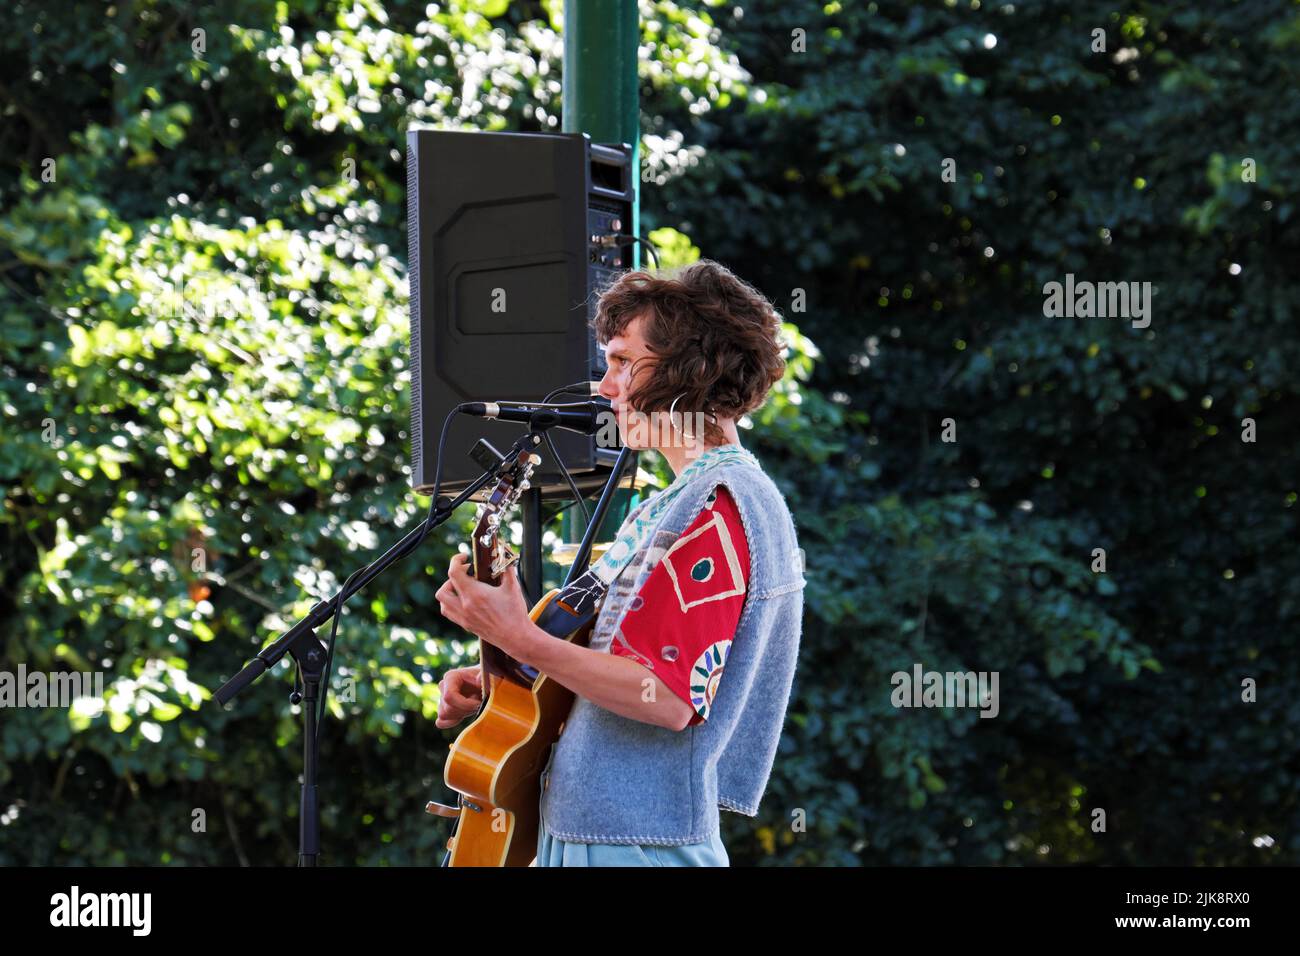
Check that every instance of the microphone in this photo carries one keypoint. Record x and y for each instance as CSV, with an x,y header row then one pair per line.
x,y
581,417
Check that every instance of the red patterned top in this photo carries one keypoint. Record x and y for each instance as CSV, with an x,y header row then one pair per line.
x,y
681,623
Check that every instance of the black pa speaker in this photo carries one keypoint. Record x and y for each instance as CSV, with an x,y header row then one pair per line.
x,y
505,266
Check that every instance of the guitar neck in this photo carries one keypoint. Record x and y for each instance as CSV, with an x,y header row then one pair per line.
x,y
495,662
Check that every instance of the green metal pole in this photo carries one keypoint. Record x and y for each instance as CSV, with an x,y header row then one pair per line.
x,y
601,99
600,82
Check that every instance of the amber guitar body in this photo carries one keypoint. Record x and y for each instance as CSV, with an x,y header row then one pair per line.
x,y
496,763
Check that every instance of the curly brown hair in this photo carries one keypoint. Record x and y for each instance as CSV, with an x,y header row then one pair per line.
x,y
715,339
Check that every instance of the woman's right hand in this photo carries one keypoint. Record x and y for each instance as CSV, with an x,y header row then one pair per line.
x,y
462,695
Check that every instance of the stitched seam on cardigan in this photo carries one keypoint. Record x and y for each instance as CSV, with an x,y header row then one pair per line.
x,y
753,551
625,841
690,779
750,601
778,591
737,806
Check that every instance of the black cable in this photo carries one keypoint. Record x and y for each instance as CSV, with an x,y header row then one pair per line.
x,y
576,388
582,388
568,478
558,511
654,253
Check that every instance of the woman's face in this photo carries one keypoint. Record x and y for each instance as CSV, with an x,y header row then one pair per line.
x,y
623,374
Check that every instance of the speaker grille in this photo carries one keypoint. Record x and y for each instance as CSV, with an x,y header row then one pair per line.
x,y
413,276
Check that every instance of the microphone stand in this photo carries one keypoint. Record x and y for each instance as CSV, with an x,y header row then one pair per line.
x,y
309,653
583,556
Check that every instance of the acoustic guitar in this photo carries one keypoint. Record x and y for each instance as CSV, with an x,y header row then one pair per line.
x,y
496,763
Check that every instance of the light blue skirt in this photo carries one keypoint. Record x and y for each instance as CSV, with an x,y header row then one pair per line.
x,y
553,852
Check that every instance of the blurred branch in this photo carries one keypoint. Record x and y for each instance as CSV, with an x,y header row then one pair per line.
x,y
33,119
255,598
234,830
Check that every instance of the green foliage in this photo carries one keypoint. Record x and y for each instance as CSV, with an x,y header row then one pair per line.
x,y
1119,691
205,403
203,406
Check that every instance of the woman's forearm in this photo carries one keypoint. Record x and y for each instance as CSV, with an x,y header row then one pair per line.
x,y
618,684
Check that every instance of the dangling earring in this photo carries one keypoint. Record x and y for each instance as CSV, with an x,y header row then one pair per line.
x,y
672,413
689,438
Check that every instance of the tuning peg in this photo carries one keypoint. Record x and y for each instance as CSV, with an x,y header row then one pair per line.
x,y
525,485
534,459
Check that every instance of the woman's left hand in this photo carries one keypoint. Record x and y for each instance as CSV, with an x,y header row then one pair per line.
x,y
498,615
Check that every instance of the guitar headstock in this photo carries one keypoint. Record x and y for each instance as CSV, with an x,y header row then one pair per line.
x,y
490,555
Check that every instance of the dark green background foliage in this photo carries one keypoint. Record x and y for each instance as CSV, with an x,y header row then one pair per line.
x,y
270,431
